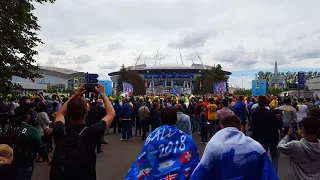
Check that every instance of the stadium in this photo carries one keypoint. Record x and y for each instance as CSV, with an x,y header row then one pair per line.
x,y
165,78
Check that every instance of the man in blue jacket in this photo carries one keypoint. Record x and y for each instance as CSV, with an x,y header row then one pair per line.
x,y
116,122
232,155
240,110
125,117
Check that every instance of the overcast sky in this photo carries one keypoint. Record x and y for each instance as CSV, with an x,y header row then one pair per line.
x,y
244,36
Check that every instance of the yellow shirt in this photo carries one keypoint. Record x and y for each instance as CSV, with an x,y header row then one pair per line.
x,y
212,111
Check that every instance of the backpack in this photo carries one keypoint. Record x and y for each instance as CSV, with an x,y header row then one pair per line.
x,y
71,160
12,137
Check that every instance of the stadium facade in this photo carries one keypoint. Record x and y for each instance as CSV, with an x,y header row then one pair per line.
x,y
164,78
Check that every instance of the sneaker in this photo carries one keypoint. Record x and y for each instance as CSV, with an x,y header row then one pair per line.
x,y
201,142
129,139
122,139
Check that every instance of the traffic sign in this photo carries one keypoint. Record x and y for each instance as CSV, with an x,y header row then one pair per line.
x,y
292,86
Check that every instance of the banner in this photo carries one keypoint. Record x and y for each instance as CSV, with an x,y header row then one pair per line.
x,y
220,88
259,87
107,86
127,88
169,76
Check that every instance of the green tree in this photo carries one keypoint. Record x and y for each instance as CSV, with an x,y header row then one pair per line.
x,y
18,40
133,78
243,92
209,77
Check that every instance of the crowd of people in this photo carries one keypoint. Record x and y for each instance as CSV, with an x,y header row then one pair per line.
x,y
238,132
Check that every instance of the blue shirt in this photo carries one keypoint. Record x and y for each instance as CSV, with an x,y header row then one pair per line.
x,y
117,109
126,111
240,110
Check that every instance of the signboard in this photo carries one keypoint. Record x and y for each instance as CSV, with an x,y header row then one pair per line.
x,y
107,86
301,80
127,88
259,87
75,83
220,88
292,86
169,76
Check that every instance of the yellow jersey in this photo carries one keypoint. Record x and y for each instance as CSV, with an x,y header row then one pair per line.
x,y
212,111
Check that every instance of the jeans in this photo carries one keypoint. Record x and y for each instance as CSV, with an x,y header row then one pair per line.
x,y
197,125
273,152
116,123
204,134
212,127
24,173
145,129
192,121
126,129
138,126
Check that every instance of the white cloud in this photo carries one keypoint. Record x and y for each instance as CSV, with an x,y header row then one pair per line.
x,y
240,35
236,81
82,59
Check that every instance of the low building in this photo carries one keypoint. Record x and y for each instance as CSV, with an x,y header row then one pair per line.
x,y
52,77
314,85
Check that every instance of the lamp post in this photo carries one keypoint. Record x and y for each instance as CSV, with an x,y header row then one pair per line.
x,y
242,80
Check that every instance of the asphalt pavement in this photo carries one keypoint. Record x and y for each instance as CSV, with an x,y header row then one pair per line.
x,y
118,157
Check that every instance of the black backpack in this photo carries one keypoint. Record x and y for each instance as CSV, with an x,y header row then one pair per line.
x,y
71,160
12,137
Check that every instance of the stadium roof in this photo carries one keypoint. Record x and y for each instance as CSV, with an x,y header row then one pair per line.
x,y
60,72
142,68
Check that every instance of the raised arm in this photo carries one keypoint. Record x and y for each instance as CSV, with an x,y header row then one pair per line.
x,y
63,110
108,106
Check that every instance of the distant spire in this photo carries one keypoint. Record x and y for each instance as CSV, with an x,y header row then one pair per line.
x,y
276,68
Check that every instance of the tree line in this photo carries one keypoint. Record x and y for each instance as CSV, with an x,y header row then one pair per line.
x,y
289,77
205,80
132,77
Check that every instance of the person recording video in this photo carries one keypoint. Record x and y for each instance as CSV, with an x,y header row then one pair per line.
x,y
304,153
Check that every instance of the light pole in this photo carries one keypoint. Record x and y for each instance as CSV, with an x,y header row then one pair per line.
x,y
242,80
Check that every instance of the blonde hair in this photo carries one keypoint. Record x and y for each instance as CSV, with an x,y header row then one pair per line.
x,y
4,151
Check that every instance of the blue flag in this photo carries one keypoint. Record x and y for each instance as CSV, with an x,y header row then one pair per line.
x,y
232,155
168,153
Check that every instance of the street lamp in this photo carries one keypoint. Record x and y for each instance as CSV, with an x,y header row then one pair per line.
x,y
242,80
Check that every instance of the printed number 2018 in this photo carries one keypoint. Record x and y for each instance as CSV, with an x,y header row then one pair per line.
x,y
165,151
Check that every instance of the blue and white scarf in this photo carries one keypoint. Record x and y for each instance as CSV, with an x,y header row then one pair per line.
x,y
168,154
232,155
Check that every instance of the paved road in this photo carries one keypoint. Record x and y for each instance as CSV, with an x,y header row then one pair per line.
x,y
118,157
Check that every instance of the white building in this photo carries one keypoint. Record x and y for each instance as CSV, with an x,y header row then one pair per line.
x,y
59,78
314,85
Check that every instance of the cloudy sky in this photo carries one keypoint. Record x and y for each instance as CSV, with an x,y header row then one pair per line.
x,y
244,36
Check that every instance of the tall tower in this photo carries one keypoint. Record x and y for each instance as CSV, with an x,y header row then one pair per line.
x,y
276,68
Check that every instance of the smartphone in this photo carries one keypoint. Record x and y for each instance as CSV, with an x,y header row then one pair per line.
x,y
90,87
294,127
